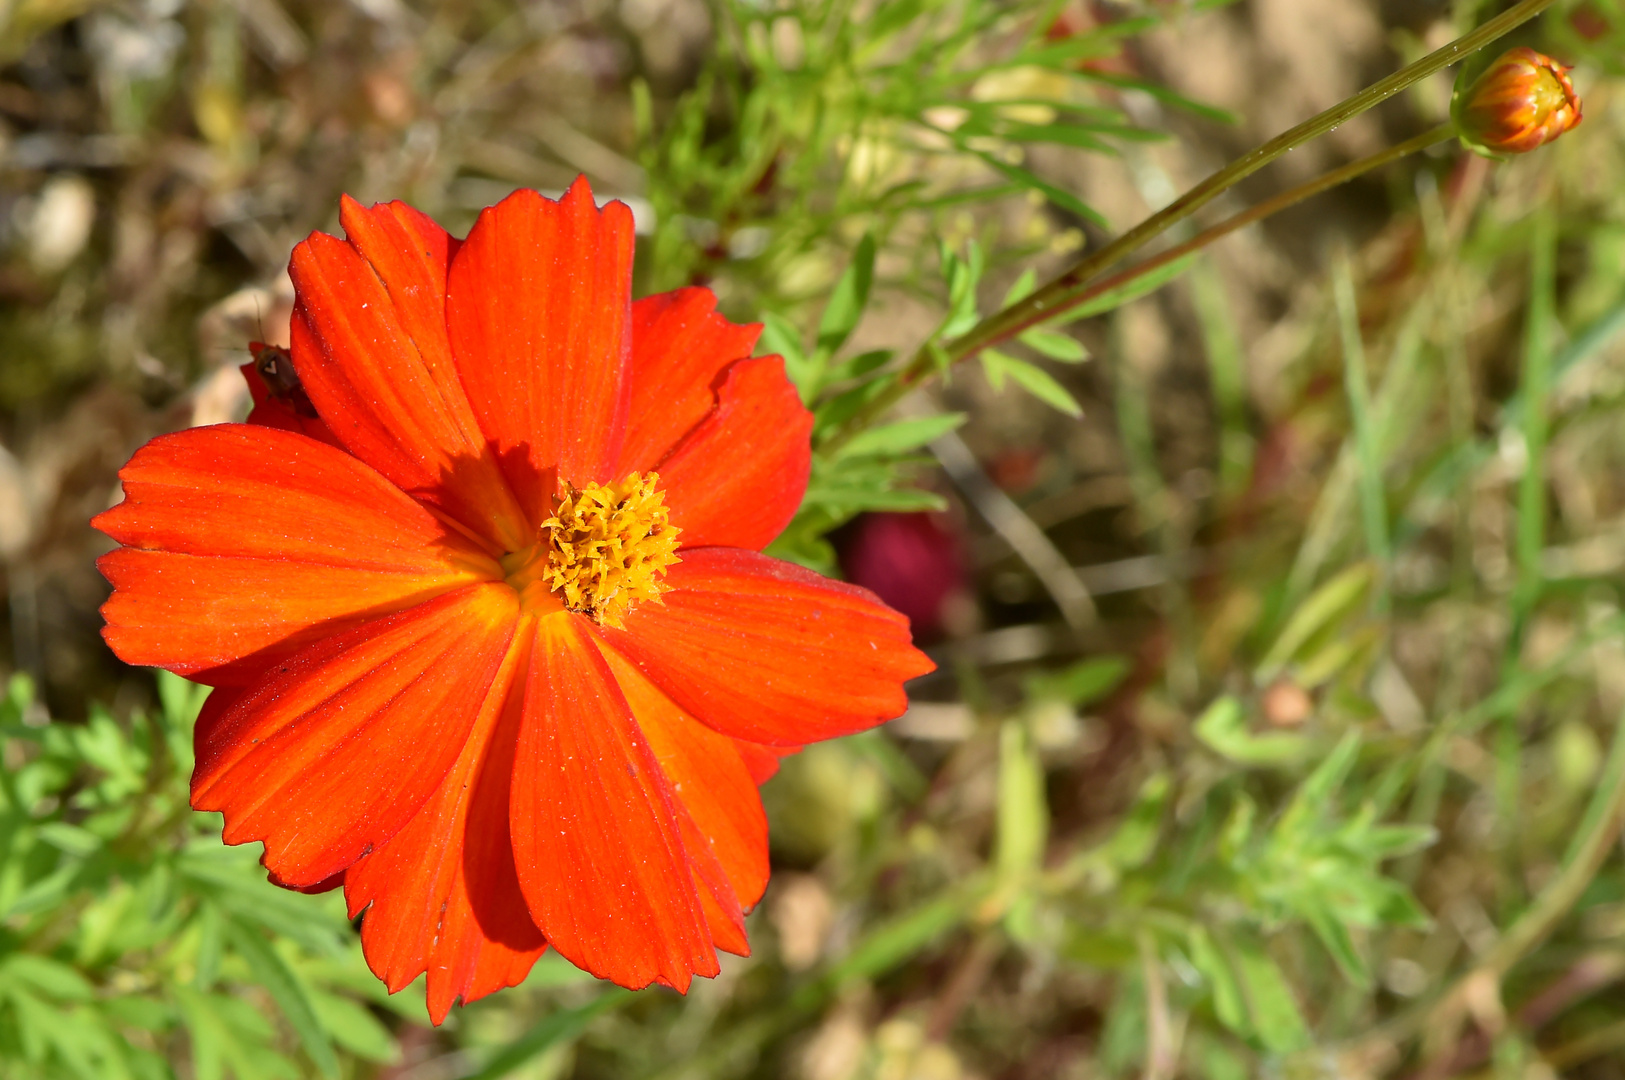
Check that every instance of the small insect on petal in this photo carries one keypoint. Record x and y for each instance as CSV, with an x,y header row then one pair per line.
x,y
1521,102
275,366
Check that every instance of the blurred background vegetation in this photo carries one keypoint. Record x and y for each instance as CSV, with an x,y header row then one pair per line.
x,y
1278,611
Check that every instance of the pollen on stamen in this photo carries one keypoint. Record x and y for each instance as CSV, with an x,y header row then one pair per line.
x,y
609,546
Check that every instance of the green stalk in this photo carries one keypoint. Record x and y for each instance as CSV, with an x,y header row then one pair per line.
x,y
1531,520
1593,841
1072,287
1535,423
1251,215
1367,454
1587,852
1254,214
1061,293
1226,361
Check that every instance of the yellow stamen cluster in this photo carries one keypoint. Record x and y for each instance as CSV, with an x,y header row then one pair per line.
x,y
608,547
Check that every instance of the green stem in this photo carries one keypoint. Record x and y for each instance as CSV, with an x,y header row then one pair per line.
x,y
1072,287
1251,215
1536,425
1060,294
1367,452
1258,213
1593,842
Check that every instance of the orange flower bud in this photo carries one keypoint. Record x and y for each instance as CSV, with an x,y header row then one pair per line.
x,y
1522,101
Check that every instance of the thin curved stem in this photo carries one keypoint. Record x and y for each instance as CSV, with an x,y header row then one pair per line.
x,y
1258,213
1251,215
1061,293
1073,287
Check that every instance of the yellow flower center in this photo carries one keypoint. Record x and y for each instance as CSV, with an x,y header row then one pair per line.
x,y
606,549
1547,95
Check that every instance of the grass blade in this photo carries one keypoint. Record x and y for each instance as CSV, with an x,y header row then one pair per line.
x,y
560,1027
1367,454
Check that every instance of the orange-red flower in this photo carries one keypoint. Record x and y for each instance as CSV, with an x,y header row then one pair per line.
x,y
492,638
1521,102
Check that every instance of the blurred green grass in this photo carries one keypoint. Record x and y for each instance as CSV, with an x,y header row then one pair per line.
x,y
1329,787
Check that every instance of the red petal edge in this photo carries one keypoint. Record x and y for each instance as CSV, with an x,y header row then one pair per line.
x,y
538,306
442,896
769,652
738,478
370,345
715,791
596,837
338,748
246,544
680,348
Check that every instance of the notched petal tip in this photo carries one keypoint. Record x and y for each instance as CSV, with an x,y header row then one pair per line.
x,y
681,347
441,896
334,752
579,198
738,478
596,841
369,339
349,207
538,305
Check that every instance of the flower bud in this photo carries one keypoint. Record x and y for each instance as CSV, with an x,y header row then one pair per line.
x,y
1521,101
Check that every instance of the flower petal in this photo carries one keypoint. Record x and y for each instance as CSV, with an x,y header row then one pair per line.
x,y
215,707
442,896
680,346
538,306
763,761
719,904
245,544
274,412
326,885
708,778
600,856
738,478
339,747
369,344
766,651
